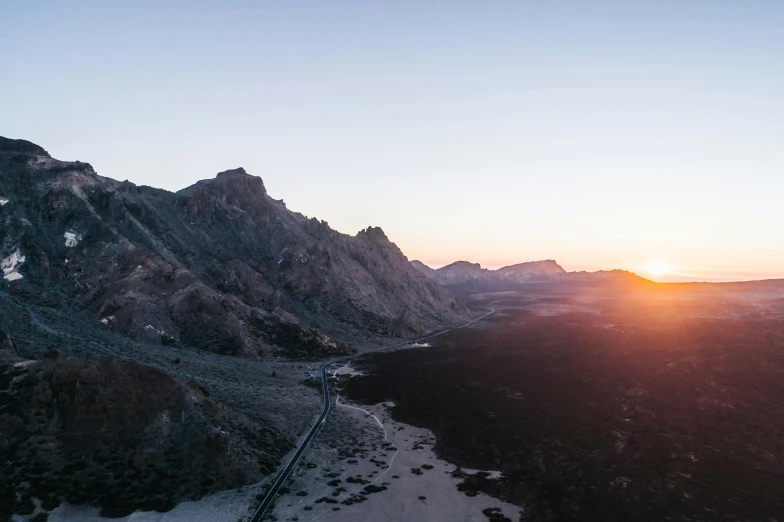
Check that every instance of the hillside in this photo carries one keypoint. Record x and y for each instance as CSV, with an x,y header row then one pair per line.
x,y
121,436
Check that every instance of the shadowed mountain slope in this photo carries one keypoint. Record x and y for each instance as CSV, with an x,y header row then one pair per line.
x,y
122,436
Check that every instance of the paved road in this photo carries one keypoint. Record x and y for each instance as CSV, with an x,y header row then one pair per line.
x,y
302,447
322,418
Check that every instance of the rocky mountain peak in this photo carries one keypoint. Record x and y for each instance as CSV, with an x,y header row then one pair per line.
x,y
375,234
22,146
458,272
234,187
543,266
419,265
464,265
231,182
238,172
234,180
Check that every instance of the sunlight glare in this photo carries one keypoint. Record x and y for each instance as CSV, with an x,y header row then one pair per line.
x,y
658,267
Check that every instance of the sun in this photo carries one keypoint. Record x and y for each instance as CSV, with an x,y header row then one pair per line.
x,y
658,267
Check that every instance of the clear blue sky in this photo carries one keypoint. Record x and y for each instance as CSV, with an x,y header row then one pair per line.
x,y
601,134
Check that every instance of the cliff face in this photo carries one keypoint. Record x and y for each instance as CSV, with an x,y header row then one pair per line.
x,y
219,265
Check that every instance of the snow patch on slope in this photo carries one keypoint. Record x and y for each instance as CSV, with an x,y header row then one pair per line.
x,y
151,328
9,266
3,201
72,239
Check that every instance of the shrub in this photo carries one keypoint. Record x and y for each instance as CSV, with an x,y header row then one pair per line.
x,y
25,505
495,515
50,502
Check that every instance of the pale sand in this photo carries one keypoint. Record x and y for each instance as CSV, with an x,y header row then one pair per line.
x,y
346,371
226,506
401,501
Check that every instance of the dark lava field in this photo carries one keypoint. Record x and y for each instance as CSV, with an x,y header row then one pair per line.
x,y
646,402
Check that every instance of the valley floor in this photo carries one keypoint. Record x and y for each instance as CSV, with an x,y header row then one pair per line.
x,y
603,403
226,506
367,466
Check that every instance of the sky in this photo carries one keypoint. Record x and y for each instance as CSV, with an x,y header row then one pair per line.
x,y
600,134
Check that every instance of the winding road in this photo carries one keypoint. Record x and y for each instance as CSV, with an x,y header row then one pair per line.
x,y
322,418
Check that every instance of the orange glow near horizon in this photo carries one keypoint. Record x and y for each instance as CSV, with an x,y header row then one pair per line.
x,y
656,270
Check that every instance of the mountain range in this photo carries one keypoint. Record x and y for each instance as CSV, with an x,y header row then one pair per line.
x,y
464,272
219,265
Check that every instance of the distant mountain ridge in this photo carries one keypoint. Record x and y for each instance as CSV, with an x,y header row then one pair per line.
x,y
219,265
463,272
547,270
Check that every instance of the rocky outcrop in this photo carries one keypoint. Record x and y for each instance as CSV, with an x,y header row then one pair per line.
x,y
531,270
21,146
219,265
121,436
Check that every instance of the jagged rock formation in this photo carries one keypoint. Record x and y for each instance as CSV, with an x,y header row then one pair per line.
x,y
461,272
219,265
121,436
